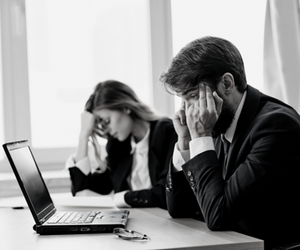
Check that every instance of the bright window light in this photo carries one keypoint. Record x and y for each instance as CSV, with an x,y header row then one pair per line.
x,y
241,22
73,45
2,139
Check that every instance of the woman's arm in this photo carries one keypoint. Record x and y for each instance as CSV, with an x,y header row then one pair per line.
x,y
99,183
87,125
82,176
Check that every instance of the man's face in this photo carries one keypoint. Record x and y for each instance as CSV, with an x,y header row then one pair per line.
x,y
226,117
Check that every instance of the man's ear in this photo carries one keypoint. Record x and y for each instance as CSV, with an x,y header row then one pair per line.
x,y
228,82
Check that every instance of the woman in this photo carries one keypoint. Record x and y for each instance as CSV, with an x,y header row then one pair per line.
x,y
139,147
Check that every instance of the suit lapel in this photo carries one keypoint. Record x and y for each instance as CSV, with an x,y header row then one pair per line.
x,y
219,151
248,113
151,156
125,164
120,177
218,147
122,164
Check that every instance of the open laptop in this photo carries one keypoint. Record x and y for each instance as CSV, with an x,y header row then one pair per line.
x,y
47,218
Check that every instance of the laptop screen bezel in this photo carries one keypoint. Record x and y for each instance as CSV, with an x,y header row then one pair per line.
x,y
39,216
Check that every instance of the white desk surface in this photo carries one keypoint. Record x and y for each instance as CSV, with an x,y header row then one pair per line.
x,y
165,233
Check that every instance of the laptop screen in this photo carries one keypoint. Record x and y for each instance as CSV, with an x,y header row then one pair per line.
x,y
30,180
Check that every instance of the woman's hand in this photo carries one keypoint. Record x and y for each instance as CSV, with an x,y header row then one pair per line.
x,y
87,123
203,115
87,127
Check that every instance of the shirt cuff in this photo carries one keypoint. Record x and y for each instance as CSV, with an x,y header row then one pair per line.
x,y
119,199
200,145
180,157
83,164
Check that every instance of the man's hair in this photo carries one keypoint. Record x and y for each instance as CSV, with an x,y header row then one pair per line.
x,y
204,59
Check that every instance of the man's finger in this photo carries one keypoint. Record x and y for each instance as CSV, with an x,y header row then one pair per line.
x,y
219,102
180,115
209,99
202,95
182,105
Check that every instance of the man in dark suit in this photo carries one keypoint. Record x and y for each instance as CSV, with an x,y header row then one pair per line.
x,y
236,164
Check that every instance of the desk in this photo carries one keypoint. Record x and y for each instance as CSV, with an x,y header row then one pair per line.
x,y
165,233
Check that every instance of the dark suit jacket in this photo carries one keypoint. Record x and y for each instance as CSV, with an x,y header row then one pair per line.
x,y
261,190
162,139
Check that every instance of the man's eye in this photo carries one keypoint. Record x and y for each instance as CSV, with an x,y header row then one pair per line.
x,y
194,96
106,121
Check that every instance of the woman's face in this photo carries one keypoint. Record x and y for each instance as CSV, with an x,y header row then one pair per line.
x,y
117,123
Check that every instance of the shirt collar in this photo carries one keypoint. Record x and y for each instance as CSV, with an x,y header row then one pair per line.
x,y
142,145
231,130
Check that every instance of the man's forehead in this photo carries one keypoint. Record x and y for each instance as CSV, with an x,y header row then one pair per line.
x,y
194,88
186,91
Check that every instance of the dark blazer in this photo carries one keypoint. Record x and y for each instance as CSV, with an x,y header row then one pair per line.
x,y
260,193
162,139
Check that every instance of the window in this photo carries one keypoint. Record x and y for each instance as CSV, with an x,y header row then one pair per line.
x,y
1,103
73,45
241,22
57,51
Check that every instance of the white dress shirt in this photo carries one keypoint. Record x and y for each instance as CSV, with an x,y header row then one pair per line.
x,y
140,177
202,144
89,163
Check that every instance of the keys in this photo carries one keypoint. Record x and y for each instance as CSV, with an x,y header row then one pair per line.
x,y
82,217
73,217
91,217
54,219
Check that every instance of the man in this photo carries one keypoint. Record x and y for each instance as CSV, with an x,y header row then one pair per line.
x,y
253,187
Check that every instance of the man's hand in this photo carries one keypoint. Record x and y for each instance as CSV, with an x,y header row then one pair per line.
x,y
203,115
179,121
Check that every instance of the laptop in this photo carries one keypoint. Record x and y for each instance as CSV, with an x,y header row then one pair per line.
x,y
48,219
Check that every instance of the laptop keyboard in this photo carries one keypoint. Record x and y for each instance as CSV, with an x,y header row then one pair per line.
x,y
73,217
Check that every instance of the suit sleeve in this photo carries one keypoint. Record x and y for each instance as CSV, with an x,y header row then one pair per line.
x,y
97,182
269,156
181,200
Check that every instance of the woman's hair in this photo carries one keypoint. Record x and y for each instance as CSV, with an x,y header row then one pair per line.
x,y
114,95
204,59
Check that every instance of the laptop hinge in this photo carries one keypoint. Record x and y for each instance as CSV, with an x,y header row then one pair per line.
x,y
47,216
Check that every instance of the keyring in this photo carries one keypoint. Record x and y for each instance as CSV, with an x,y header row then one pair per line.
x,y
127,234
